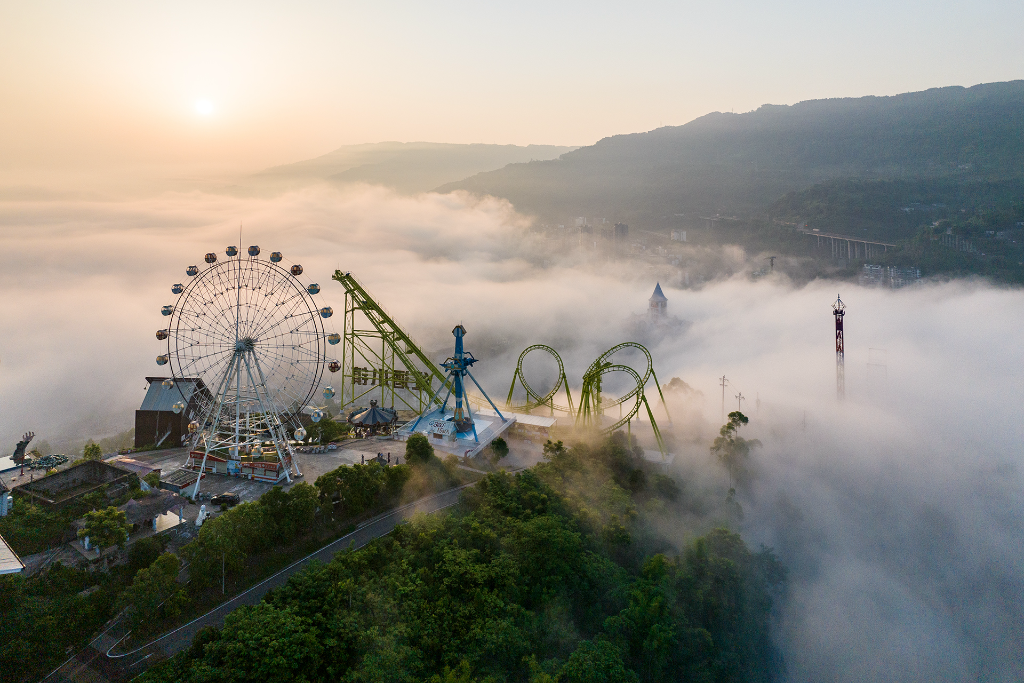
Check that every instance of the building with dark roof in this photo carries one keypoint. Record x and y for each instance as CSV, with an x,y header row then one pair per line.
x,y
156,423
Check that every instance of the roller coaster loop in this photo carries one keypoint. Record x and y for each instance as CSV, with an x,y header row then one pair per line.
x,y
533,398
592,403
591,407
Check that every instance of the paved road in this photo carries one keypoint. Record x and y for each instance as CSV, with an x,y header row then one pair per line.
x,y
180,638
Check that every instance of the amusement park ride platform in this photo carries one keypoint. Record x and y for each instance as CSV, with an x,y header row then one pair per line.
x,y
457,430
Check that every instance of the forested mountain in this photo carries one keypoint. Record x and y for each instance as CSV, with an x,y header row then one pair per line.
x,y
739,164
405,166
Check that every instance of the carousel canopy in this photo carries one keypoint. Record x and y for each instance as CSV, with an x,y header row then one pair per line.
x,y
373,416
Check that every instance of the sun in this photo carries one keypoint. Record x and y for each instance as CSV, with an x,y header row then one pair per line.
x,y
204,107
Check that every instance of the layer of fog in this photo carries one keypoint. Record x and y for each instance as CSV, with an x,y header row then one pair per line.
x,y
897,512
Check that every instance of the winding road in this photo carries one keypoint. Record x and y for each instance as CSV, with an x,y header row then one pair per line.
x,y
101,661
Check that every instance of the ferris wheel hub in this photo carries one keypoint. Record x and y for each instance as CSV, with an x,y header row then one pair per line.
x,y
245,344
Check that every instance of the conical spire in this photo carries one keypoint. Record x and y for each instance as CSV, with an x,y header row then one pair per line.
x,y
658,294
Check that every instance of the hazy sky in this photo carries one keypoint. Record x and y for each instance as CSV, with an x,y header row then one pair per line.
x,y
84,85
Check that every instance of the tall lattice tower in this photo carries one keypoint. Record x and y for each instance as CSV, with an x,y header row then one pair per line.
x,y
839,310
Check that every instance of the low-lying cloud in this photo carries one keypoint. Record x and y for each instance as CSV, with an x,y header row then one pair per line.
x,y
898,511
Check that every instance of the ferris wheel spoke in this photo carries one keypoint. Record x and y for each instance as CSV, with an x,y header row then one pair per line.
x,y
268,278
194,361
213,289
284,316
288,291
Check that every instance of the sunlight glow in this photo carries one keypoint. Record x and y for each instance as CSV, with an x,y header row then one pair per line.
x,y
204,107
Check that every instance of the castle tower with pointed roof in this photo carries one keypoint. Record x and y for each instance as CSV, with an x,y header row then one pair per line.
x,y
658,303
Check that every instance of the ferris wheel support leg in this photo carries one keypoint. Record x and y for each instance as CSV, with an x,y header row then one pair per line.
x,y
271,418
222,389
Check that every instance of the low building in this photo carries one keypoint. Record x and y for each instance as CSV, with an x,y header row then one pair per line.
x,y
156,423
10,563
67,486
145,511
179,481
260,465
678,235
140,468
528,427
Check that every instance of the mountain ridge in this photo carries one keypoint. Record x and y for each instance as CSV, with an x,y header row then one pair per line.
x,y
723,162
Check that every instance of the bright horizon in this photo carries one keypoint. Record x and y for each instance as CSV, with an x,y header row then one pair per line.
x,y
238,87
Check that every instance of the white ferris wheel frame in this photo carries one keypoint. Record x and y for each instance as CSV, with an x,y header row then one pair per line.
x,y
254,329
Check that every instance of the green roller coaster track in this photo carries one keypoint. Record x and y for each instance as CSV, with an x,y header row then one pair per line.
x,y
392,363
534,399
592,404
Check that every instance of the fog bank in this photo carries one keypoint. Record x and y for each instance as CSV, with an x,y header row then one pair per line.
x,y
898,511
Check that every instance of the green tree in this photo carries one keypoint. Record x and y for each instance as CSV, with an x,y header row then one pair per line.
x,y
153,479
327,430
418,450
731,448
500,448
105,527
265,643
92,452
220,546
155,591
596,662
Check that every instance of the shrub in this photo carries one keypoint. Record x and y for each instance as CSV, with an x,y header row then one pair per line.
x,y
418,450
500,448
92,452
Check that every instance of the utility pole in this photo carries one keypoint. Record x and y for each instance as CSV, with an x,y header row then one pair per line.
x,y
739,401
723,381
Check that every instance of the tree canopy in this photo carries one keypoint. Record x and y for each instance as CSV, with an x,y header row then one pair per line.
x,y
418,449
105,527
552,574
731,448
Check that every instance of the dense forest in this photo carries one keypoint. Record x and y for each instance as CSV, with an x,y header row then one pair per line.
x,y
551,574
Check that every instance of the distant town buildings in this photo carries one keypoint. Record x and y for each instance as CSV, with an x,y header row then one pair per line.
x,y
621,232
678,235
888,276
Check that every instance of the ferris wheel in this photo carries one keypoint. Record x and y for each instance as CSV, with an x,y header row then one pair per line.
x,y
247,349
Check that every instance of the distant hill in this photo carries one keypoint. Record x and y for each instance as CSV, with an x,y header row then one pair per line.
x,y
740,164
405,166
